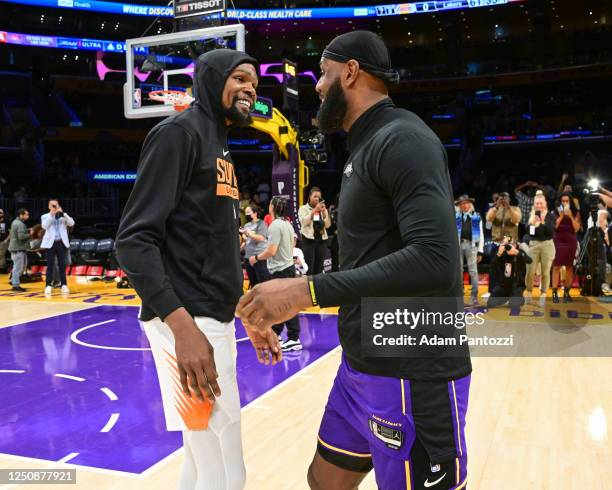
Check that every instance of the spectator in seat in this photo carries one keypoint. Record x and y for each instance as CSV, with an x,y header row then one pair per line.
x,y
567,225
18,247
245,202
314,222
20,196
36,253
263,190
3,182
471,240
255,234
56,242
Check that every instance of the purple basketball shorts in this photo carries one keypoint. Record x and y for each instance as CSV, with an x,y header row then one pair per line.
x,y
410,432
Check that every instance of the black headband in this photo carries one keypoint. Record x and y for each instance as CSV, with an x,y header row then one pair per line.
x,y
389,76
367,49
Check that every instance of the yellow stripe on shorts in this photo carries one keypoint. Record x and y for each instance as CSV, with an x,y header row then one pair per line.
x,y
343,451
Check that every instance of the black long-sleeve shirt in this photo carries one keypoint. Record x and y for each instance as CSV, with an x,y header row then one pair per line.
x,y
397,233
546,231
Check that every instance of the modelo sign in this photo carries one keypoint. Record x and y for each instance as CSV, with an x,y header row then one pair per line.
x,y
187,8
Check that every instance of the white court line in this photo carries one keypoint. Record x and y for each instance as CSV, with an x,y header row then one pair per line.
x,y
67,458
176,453
109,393
67,376
111,422
242,339
75,338
14,371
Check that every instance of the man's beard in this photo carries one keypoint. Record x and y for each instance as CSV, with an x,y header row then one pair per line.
x,y
333,109
235,115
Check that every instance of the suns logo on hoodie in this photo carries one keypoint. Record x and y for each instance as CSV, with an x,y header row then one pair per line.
x,y
227,184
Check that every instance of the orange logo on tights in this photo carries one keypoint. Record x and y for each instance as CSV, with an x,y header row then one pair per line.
x,y
195,413
227,184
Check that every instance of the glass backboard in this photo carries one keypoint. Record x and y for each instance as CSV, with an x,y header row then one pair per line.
x,y
166,62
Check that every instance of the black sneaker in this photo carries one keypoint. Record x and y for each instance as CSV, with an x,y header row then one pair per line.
x,y
19,289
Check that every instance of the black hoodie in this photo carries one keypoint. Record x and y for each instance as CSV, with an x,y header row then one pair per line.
x,y
178,236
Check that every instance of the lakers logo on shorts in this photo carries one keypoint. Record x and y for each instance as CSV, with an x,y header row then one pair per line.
x,y
393,438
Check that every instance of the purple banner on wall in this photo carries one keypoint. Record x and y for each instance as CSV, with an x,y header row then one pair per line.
x,y
285,182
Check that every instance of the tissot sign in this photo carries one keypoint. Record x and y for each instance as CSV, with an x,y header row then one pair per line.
x,y
186,8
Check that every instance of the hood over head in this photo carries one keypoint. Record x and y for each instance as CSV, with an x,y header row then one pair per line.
x,y
212,70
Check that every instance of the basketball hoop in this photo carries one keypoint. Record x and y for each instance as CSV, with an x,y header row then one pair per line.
x,y
179,100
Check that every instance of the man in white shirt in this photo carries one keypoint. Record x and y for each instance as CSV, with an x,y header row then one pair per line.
x,y
55,241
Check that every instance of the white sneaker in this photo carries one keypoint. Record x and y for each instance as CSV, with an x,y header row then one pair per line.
x,y
542,301
527,298
65,289
486,295
48,290
290,345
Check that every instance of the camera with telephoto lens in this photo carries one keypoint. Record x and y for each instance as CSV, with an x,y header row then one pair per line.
x,y
59,215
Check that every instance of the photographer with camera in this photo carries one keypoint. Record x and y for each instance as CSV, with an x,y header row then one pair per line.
x,y
504,221
541,246
55,241
567,225
314,222
508,266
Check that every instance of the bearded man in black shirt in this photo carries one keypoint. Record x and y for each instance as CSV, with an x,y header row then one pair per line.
x,y
404,417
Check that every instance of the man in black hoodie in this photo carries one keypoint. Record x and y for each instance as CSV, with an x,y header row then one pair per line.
x,y
402,416
178,243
